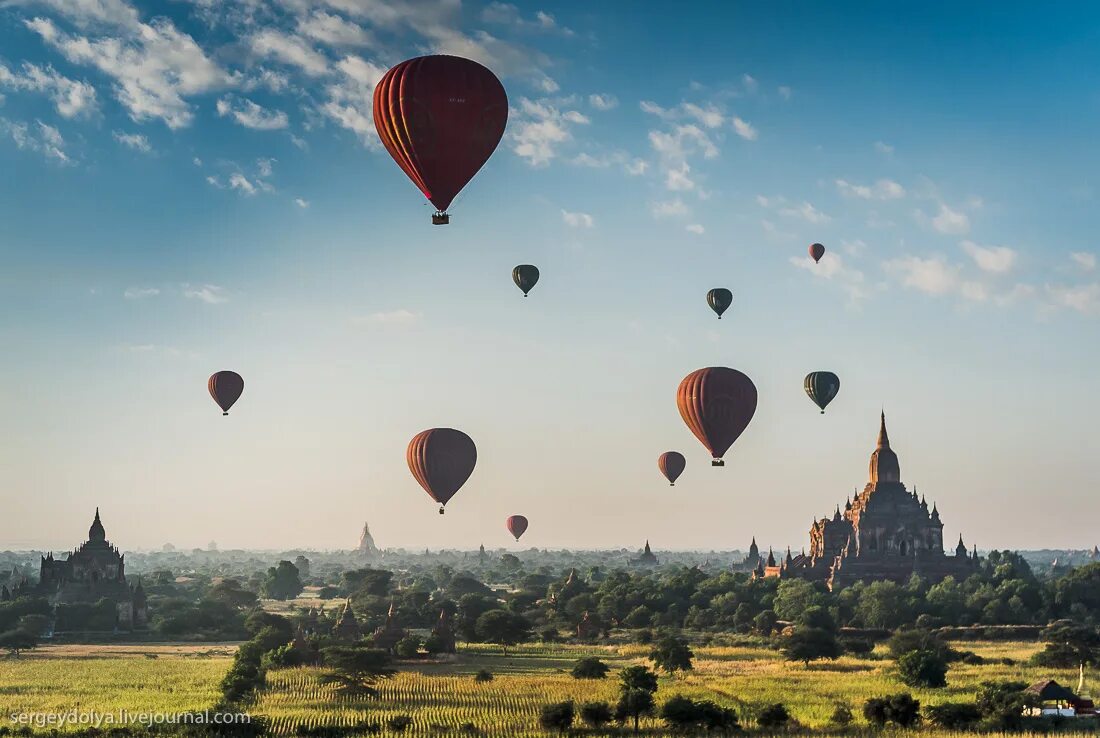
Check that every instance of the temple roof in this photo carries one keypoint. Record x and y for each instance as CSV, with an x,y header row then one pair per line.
x,y
884,462
96,533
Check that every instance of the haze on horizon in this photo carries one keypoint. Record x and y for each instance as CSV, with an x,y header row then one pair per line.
x,y
215,198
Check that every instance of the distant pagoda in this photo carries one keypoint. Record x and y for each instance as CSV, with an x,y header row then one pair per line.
x,y
366,542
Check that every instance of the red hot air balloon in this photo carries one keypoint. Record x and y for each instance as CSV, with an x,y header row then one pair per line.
x,y
441,459
816,252
226,388
441,118
517,524
717,403
671,464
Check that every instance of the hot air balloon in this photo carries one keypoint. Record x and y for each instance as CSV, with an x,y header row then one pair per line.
x,y
719,300
441,459
526,276
517,524
822,387
816,252
717,404
226,388
671,464
441,118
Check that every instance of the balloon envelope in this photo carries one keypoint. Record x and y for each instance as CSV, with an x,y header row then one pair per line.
x,y
671,464
440,118
226,388
441,460
816,251
525,276
822,387
517,524
719,300
717,404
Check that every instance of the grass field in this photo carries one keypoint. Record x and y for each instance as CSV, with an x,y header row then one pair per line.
x,y
443,696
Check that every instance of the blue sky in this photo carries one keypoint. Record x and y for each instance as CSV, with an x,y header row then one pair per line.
x,y
194,186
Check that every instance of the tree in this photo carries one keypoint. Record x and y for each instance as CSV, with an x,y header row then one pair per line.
x,y
590,668
900,709
1069,644
633,704
954,715
680,713
356,670
883,605
408,647
231,593
923,669
904,641
15,641
596,714
773,716
557,716
672,654
637,677
503,627
817,617
282,582
794,596
764,622
1003,703
810,644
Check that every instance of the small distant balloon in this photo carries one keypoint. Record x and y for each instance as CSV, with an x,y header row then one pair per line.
x,y
717,404
719,300
441,460
517,525
226,388
671,464
822,387
816,252
526,276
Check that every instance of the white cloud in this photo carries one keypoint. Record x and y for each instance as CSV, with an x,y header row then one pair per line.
x,y
749,83
975,291
250,115
333,30
238,181
710,116
400,316
288,49
669,209
832,268
208,293
695,228
950,221
41,138
134,141
785,92
884,189
577,220
540,128
139,293
301,203
933,275
603,102
744,129
154,67
884,148
1084,299
85,13
805,211
509,15
995,259
71,98
350,99
1084,259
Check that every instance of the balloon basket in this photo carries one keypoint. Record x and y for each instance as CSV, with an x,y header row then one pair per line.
x,y
440,218
440,509
672,484
717,462
822,412
225,413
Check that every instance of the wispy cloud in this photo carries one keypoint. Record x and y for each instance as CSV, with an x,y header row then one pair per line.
x,y
674,208
832,268
603,101
695,228
209,293
140,293
884,189
931,275
400,316
541,127
250,115
744,129
40,137
1084,259
1085,298
577,220
71,98
135,141
948,221
995,259
301,203
884,148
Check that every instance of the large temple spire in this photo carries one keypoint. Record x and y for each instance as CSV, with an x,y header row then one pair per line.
x,y
883,438
884,462
96,532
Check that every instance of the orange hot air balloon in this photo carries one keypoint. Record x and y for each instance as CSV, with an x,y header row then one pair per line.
x,y
517,525
441,459
816,252
717,404
440,118
226,388
671,464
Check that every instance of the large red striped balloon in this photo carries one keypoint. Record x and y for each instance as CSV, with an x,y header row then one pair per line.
x,y
441,459
226,388
441,118
517,525
671,464
717,403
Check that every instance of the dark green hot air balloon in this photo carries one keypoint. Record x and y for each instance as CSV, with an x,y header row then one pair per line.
x,y
822,387
526,276
719,300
